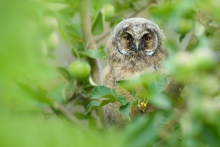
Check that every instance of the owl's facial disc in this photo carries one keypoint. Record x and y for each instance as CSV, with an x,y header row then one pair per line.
x,y
137,40
131,41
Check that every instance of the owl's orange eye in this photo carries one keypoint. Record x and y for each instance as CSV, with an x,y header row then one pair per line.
x,y
147,37
127,37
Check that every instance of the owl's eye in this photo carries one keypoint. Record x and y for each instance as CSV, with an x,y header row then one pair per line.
x,y
147,37
128,37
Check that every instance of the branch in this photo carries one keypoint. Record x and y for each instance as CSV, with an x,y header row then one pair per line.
x,y
58,108
68,115
91,44
143,8
192,42
88,38
174,88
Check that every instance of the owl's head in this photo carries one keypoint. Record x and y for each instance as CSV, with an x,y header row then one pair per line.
x,y
137,36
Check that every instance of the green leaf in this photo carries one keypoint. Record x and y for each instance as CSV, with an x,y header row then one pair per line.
x,y
51,132
114,20
95,54
143,131
80,115
211,135
98,25
96,104
131,85
57,93
64,73
160,100
182,36
55,6
35,93
154,82
128,85
160,83
73,31
105,92
125,110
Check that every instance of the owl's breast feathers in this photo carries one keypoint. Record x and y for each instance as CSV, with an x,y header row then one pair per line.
x,y
122,67
111,76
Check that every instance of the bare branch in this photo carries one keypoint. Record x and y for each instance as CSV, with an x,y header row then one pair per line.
x,y
68,115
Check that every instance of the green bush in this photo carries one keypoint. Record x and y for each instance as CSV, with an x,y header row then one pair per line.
x,y
36,99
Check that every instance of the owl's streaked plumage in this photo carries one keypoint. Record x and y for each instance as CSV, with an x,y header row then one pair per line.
x,y
136,46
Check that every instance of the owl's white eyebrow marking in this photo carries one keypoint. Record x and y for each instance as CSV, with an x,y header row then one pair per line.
x,y
145,32
129,32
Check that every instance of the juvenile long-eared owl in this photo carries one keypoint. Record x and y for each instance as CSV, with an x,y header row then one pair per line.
x,y
136,46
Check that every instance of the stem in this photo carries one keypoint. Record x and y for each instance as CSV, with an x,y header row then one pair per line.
x,y
88,38
192,42
68,115
77,53
57,107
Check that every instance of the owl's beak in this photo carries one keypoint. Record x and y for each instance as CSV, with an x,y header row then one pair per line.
x,y
137,46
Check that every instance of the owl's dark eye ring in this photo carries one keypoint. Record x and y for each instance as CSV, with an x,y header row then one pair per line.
x,y
147,37
127,36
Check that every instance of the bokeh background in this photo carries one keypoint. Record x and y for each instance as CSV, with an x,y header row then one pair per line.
x,y
41,104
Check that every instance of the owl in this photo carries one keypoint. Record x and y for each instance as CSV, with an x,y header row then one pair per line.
x,y
136,46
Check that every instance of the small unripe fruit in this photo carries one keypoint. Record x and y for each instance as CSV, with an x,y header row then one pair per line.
x,y
203,58
109,11
80,70
48,24
43,48
184,26
52,41
181,65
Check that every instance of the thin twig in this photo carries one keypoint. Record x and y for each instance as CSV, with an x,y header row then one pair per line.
x,y
143,8
192,42
68,115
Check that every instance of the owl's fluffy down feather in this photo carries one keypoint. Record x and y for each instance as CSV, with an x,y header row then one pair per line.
x,y
126,63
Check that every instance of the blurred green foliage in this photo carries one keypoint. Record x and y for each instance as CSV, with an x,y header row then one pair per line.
x,y
31,101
